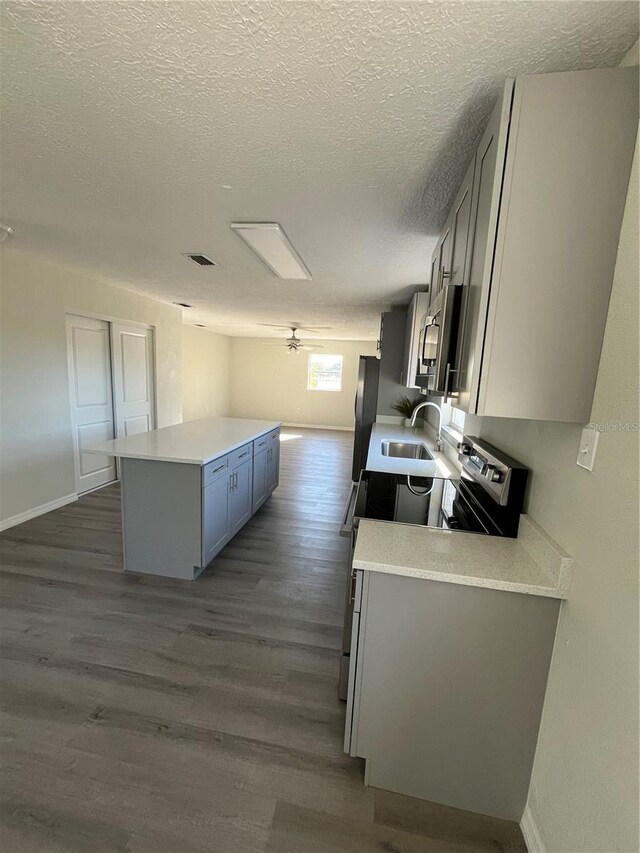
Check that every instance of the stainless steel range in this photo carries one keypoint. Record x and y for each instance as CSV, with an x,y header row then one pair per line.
x,y
487,499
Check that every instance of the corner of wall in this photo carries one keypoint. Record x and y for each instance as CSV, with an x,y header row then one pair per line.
x,y
530,832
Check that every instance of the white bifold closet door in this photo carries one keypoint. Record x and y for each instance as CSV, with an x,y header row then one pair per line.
x,y
89,351
112,391
133,380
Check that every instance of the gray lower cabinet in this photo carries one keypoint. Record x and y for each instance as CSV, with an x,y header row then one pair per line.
x,y
215,517
273,467
177,517
260,490
266,467
446,687
240,497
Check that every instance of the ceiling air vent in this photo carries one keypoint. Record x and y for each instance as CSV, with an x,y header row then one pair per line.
x,y
183,304
201,260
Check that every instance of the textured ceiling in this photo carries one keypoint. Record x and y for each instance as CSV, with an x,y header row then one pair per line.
x,y
134,131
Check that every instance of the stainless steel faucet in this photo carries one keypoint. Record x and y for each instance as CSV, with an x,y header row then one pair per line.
x,y
439,410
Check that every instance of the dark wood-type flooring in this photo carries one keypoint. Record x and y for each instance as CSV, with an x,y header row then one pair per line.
x,y
147,715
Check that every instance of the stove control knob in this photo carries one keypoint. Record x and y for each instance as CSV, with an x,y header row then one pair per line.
x,y
492,474
465,449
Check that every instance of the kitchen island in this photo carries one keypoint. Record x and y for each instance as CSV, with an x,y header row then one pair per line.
x,y
188,489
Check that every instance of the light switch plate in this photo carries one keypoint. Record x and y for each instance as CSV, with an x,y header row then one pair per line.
x,y
588,446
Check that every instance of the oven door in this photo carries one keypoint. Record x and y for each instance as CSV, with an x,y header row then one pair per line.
x,y
465,512
438,342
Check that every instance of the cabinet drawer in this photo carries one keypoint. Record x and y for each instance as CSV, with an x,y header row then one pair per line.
x,y
214,470
260,444
273,436
242,454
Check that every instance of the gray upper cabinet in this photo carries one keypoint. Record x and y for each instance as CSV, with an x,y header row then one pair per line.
x,y
460,230
461,218
415,312
487,186
549,187
441,261
390,388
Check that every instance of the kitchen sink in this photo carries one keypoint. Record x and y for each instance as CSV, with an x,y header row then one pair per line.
x,y
405,450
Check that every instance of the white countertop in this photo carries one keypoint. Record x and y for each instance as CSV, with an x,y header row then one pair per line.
x,y
439,466
532,564
193,442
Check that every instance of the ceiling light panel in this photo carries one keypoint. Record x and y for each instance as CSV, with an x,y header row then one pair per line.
x,y
270,243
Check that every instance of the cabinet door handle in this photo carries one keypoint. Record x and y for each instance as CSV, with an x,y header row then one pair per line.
x,y
354,582
449,371
246,453
219,468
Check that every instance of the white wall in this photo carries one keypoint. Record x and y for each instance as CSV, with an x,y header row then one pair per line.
x,y
36,451
584,790
267,382
206,374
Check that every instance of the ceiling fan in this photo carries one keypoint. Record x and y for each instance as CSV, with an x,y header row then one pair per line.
x,y
293,343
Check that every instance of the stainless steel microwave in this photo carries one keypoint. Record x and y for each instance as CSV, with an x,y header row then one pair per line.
x,y
437,345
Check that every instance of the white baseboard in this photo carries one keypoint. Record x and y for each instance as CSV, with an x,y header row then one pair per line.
x,y
319,426
530,832
5,523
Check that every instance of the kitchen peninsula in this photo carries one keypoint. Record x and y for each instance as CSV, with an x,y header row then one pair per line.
x,y
188,489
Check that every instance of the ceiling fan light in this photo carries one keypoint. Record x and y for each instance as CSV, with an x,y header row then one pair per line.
x,y
6,231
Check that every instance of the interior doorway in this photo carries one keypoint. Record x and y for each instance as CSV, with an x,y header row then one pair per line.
x,y
112,390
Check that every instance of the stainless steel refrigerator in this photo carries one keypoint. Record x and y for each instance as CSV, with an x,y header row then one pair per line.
x,y
365,411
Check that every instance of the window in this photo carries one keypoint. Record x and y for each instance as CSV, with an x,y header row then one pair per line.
x,y
452,423
325,372
457,418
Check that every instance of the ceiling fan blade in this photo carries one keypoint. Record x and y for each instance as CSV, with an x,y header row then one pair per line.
x,y
314,328
297,328
277,326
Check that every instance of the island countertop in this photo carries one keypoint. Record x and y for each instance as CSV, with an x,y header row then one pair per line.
x,y
193,442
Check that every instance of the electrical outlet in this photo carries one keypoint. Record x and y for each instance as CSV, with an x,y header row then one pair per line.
x,y
588,446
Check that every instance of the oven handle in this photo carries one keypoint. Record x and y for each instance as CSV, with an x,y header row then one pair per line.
x,y
347,521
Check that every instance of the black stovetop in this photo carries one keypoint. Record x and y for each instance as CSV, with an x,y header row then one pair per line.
x,y
450,504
